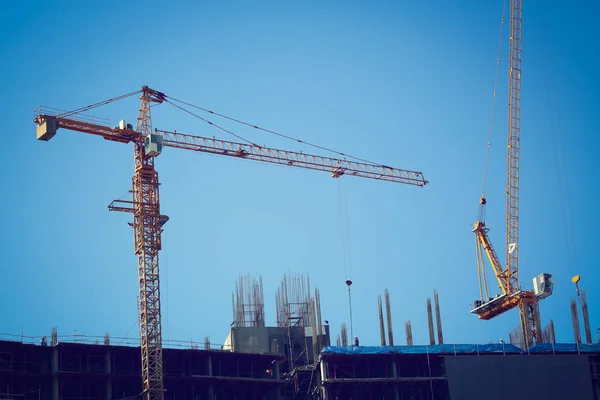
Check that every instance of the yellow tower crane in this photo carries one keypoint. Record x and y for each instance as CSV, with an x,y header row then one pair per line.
x,y
512,295
145,205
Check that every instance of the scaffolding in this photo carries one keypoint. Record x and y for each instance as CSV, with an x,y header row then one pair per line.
x,y
294,312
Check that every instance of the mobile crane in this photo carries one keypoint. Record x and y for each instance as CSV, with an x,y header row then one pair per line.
x,y
145,205
512,295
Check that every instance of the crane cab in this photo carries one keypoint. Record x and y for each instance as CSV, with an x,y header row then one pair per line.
x,y
543,286
153,145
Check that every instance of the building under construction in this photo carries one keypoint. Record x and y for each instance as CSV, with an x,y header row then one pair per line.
x,y
103,372
295,360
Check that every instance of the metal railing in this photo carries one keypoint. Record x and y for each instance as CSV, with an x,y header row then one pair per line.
x,y
79,338
56,112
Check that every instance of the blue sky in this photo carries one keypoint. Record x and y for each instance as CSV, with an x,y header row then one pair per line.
x,y
407,84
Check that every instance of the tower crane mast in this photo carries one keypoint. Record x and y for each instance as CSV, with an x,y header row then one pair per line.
x,y
508,278
514,144
145,203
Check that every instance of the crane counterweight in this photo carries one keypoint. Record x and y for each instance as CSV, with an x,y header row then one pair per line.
x,y
46,129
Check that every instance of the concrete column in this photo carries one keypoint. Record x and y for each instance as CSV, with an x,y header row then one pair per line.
x,y
54,369
108,370
277,376
209,369
395,375
324,390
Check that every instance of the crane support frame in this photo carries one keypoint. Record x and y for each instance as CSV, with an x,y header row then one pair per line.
x,y
531,325
147,232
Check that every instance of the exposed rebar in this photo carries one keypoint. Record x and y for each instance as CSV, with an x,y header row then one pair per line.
x,y
409,337
575,318
438,318
388,311
381,326
248,302
430,322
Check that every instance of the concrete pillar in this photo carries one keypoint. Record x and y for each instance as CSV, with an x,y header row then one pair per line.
x,y
108,369
395,375
209,369
54,369
324,390
277,376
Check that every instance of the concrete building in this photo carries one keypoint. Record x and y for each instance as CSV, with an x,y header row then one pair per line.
x,y
439,372
462,372
295,343
83,371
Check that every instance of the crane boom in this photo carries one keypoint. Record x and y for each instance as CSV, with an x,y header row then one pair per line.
x,y
510,298
145,204
337,167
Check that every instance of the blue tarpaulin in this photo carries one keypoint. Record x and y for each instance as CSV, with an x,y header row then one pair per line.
x,y
564,348
448,349
451,349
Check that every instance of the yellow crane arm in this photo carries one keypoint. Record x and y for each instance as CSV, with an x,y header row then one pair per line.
x,y
482,237
511,296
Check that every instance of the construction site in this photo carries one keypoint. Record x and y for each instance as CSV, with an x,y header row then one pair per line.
x,y
301,356
297,359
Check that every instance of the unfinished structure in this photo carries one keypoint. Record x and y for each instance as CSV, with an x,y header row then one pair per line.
x,y
447,372
586,318
388,313
548,335
299,334
101,372
438,317
409,336
295,360
442,372
575,318
430,322
248,302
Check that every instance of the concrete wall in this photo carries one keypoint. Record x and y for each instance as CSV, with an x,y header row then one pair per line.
x,y
519,377
250,340
260,340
